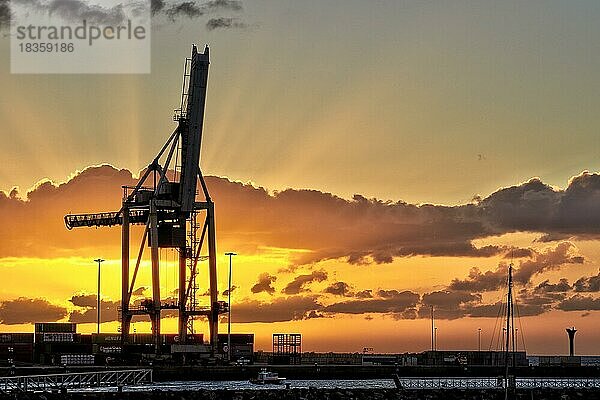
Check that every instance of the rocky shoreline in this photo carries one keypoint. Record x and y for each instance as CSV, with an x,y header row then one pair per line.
x,y
319,394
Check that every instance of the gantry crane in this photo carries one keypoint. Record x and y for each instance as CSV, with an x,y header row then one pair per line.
x,y
167,206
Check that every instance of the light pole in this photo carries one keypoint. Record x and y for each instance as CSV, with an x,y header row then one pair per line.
x,y
435,339
230,254
479,339
432,331
99,261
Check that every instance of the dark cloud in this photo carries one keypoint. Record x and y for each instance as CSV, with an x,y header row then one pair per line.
x,y
538,301
232,5
580,303
550,259
87,309
338,289
5,14
189,9
409,313
301,281
364,294
397,303
77,10
587,284
193,9
264,284
542,261
481,282
225,23
552,237
547,287
73,10
448,304
313,314
519,253
279,310
47,203
84,300
449,300
27,311
226,291
156,6
388,294
141,291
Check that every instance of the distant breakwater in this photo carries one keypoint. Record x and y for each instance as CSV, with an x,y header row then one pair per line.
x,y
318,394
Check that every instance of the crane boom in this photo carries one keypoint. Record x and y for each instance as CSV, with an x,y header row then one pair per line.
x,y
191,127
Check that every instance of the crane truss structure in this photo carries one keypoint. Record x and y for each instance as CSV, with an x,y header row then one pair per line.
x,y
167,206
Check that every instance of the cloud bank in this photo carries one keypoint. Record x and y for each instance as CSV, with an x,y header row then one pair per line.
x,y
359,230
94,12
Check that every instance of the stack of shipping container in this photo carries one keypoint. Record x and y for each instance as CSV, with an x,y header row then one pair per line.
x,y
16,348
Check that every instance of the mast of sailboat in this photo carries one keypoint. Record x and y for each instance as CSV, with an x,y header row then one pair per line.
x,y
509,326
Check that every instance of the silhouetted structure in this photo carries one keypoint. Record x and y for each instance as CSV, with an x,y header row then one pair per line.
x,y
287,348
571,333
168,208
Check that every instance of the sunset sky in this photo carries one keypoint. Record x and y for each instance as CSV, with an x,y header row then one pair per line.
x,y
368,159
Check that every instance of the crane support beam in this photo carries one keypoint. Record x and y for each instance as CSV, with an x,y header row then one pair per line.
x,y
136,217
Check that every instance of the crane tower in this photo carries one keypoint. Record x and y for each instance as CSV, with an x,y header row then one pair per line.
x,y
166,203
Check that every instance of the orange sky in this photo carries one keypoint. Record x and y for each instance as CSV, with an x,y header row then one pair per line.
x,y
311,262
410,133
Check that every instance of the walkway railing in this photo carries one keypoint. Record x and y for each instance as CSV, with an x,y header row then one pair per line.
x,y
75,380
496,383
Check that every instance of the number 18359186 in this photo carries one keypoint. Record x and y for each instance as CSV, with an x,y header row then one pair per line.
x,y
36,47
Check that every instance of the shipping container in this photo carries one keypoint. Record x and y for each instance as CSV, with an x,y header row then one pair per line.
x,y
106,338
55,327
55,337
236,338
16,337
16,352
173,338
77,359
190,348
107,349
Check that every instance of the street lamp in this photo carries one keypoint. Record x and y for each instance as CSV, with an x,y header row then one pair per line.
x,y
479,339
230,254
435,339
99,261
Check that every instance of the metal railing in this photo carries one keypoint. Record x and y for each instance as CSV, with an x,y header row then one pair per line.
x,y
558,383
450,383
496,383
76,380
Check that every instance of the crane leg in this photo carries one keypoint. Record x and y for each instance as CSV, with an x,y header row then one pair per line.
x,y
125,317
155,316
212,266
182,295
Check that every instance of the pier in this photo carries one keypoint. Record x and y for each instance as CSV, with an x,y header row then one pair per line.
x,y
76,380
